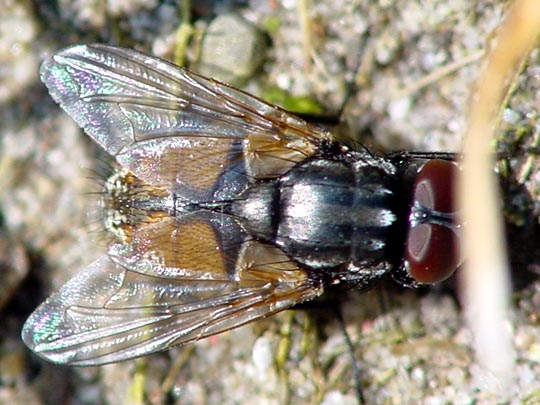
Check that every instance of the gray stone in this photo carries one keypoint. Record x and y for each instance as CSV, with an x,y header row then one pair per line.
x,y
232,49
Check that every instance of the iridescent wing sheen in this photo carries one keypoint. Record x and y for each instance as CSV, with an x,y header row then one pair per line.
x,y
180,276
133,302
136,106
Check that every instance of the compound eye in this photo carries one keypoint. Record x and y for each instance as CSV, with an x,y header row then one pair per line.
x,y
435,184
432,253
433,250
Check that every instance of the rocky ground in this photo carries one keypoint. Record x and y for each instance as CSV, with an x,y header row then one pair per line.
x,y
398,74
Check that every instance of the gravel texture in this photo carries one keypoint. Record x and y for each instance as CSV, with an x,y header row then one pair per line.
x,y
402,70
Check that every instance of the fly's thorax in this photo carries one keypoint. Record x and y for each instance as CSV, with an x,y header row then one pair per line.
x,y
127,203
326,213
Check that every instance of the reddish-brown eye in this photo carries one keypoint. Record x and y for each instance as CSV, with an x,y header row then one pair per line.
x,y
432,252
434,188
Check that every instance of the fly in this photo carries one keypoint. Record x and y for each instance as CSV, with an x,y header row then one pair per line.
x,y
226,209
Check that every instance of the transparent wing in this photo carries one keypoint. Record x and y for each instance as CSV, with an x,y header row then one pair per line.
x,y
130,102
178,278
122,306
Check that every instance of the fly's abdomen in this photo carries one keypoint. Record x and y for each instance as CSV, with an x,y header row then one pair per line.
x,y
315,213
